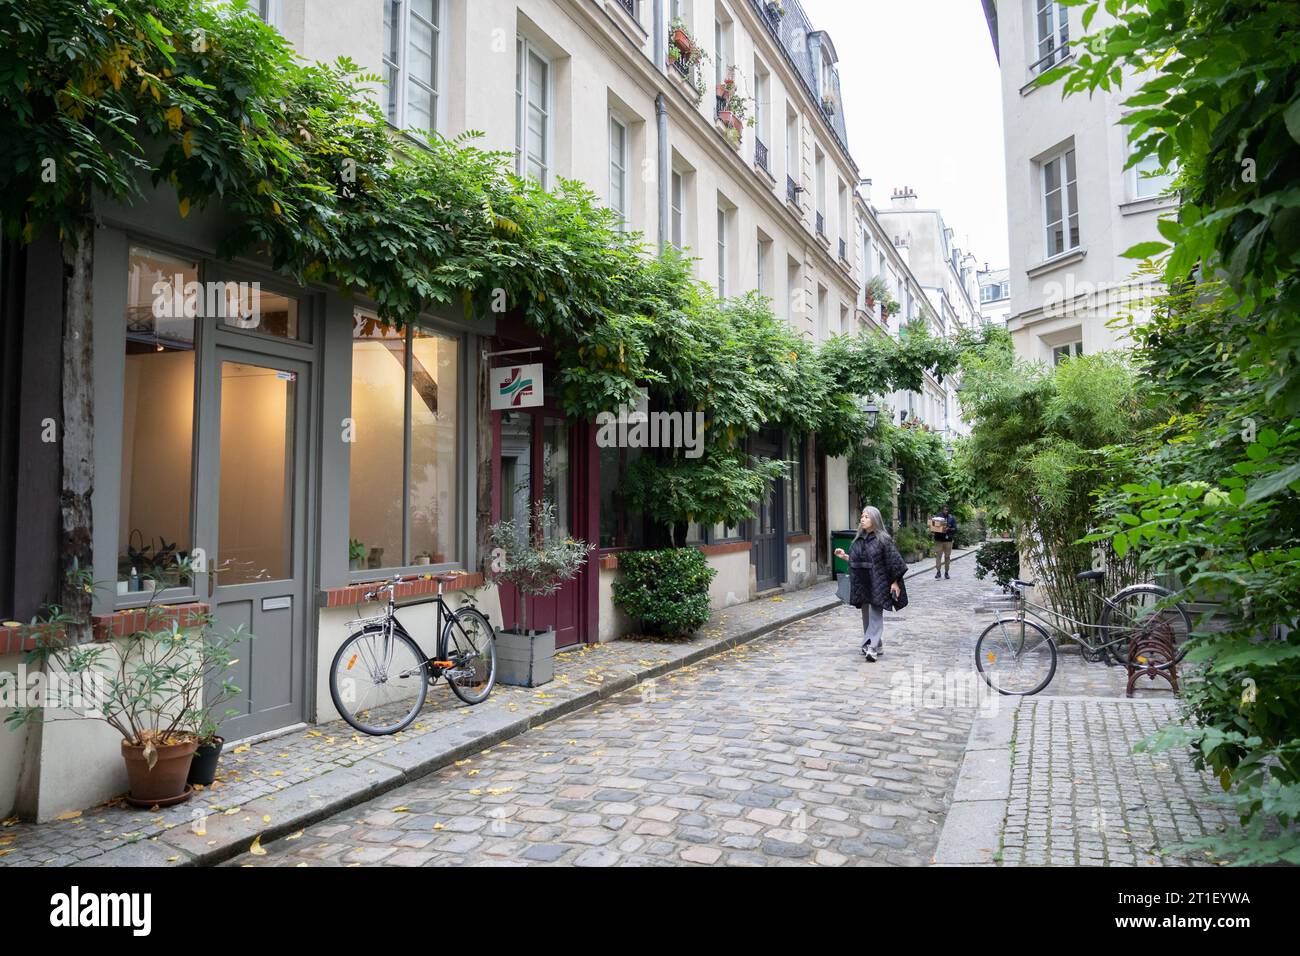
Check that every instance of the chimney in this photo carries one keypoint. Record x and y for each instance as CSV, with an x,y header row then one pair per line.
x,y
903,198
864,185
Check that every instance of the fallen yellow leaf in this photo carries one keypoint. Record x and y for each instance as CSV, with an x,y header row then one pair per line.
x,y
266,818
256,848
295,836
70,815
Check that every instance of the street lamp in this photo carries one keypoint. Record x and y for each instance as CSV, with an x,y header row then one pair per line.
x,y
873,413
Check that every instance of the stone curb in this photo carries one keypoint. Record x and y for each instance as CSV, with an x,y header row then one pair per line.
x,y
225,837
972,827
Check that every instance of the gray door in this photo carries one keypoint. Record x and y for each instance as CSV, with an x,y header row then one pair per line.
x,y
257,451
768,553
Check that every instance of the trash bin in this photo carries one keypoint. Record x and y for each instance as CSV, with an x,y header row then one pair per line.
x,y
840,539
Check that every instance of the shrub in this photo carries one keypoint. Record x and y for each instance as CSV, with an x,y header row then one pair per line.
x,y
999,558
912,540
668,590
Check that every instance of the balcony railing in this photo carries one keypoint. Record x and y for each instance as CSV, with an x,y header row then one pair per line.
x,y
791,190
821,225
844,251
760,155
682,66
629,6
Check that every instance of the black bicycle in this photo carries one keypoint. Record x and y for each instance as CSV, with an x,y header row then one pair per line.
x,y
380,676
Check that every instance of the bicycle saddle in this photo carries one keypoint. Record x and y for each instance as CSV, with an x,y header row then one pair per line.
x,y
1090,575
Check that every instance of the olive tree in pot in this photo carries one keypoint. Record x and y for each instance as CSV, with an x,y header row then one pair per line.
x,y
148,686
532,556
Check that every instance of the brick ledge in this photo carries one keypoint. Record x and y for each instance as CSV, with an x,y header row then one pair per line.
x,y
21,638
353,594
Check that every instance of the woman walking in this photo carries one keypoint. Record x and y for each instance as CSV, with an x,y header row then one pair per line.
x,y
877,569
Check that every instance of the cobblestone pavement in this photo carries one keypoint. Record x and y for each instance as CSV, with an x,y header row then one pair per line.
x,y
1080,796
789,750
269,769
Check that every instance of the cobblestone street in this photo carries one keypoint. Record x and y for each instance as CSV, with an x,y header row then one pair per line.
x,y
789,750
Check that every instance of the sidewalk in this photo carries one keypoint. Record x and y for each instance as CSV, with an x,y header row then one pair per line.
x,y
278,786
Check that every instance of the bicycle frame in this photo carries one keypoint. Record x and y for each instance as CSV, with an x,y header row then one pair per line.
x,y
393,625
1050,617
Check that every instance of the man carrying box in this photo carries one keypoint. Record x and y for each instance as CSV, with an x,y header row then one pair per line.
x,y
944,528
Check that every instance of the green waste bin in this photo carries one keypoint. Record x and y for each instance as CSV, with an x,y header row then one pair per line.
x,y
840,539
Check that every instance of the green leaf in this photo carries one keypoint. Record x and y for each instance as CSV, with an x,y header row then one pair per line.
x,y
1144,250
1273,483
1120,544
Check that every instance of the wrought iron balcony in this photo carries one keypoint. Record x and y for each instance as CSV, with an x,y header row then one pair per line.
x,y
791,190
844,251
629,6
821,225
760,155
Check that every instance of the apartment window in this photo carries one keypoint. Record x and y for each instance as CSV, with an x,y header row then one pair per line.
x,y
763,251
722,252
1053,34
532,112
678,203
1069,350
796,488
1061,203
412,61
618,166
1148,180
269,11
405,460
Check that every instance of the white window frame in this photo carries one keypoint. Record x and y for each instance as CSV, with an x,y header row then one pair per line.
x,y
677,206
618,178
1142,186
1066,350
1052,45
1067,213
722,251
525,50
398,90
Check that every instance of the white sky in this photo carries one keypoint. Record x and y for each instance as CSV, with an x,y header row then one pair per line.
x,y
922,102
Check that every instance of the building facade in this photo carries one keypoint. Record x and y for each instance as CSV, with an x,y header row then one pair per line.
x,y
232,443
1073,207
995,295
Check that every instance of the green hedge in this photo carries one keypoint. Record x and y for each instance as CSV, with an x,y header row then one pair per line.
x,y
999,558
668,590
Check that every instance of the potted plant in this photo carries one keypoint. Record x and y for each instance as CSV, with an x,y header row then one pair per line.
x,y
775,10
680,37
829,102
531,557
217,690
356,554
149,687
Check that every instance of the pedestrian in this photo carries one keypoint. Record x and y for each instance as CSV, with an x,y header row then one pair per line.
x,y
943,527
876,569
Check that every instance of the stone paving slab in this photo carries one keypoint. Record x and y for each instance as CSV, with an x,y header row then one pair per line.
x,y
280,785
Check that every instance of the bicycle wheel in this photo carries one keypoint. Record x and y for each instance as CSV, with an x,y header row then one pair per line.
x,y
1014,661
1133,612
470,643
378,681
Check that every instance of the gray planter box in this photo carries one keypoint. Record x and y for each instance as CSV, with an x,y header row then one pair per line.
x,y
526,660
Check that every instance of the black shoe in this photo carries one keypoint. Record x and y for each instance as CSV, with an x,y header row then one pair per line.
x,y
945,575
870,655
936,575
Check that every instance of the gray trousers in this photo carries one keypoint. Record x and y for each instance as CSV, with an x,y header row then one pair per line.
x,y
873,626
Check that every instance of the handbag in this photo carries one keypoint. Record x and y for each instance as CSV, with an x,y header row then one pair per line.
x,y
900,602
844,587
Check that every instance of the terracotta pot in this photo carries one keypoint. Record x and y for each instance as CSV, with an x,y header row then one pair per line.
x,y
682,42
726,117
166,781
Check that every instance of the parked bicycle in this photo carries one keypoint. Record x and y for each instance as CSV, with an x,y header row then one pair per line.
x,y
380,676
1017,656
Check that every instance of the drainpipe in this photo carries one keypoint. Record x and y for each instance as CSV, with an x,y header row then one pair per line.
x,y
661,123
